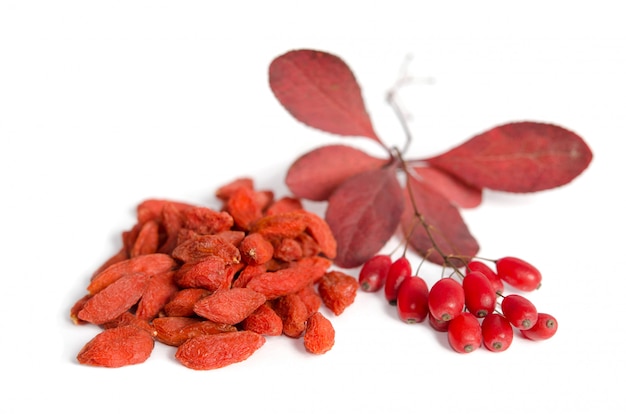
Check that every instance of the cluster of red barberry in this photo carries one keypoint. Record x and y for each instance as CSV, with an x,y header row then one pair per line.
x,y
472,308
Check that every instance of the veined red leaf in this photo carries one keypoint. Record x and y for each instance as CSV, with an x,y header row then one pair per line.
x,y
444,220
458,192
518,157
363,213
320,90
316,174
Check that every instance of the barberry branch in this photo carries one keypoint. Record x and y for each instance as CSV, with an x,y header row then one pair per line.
x,y
422,220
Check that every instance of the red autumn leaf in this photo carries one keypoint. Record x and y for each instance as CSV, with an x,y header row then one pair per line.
x,y
459,193
320,90
447,226
363,213
518,157
316,174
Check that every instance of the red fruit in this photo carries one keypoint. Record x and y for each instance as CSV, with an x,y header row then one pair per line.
x,y
437,324
337,290
446,299
412,300
497,332
545,328
519,311
398,271
480,297
229,306
374,272
493,277
518,273
206,352
464,333
319,336
117,347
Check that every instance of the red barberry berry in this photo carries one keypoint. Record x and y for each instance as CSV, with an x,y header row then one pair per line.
x,y
480,297
412,300
374,273
497,332
437,324
398,271
446,299
545,328
493,277
519,311
518,273
464,333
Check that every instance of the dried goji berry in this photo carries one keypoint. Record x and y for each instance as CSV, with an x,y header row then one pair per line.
x,y
275,264
319,336
288,250
151,209
318,228
294,314
212,273
310,297
129,237
205,352
243,206
225,191
149,264
338,290
78,305
204,220
159,290
172,330
248,273
115,299
128,318
308,245
171,223
229,305
117,347
283,205
264,320
233,237
264,198
256,249
281,225
183,301
203,246
147,240
291,279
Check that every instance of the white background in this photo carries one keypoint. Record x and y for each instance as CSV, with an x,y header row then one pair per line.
x,y
104,104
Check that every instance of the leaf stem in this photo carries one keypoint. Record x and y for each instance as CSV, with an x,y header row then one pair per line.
x,y
401,115
422,220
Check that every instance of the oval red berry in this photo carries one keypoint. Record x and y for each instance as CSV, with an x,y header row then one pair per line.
x,y
519,311
437,324
446,299
545,328
480,297
374,273
493,277
497,332
399,270
464,333
412,300
518,273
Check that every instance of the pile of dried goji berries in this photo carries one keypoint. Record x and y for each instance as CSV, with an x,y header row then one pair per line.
x,y
215,283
